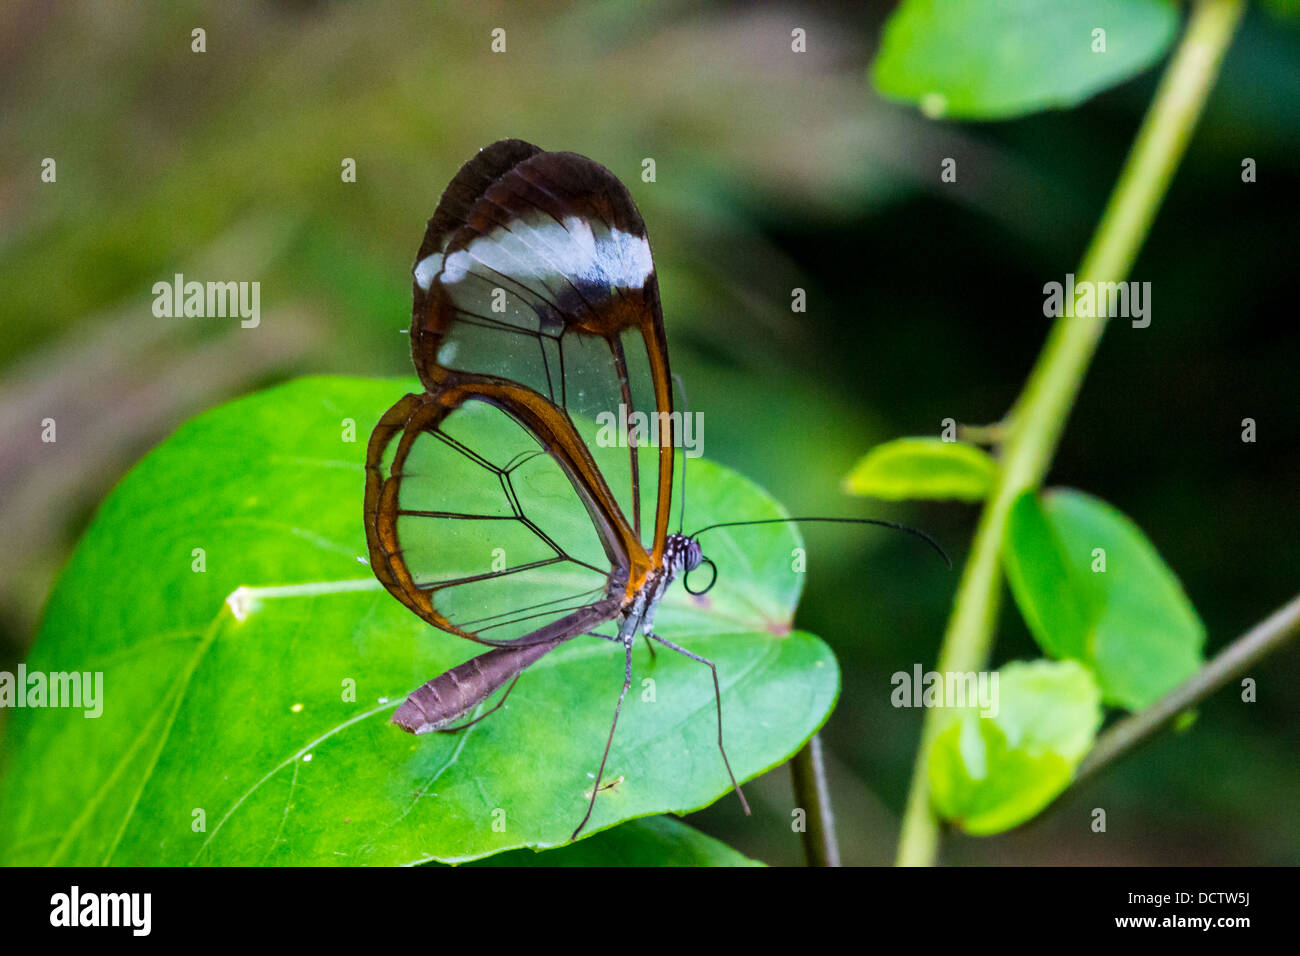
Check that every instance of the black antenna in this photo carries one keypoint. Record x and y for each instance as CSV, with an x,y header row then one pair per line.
x,y
884,524
686,410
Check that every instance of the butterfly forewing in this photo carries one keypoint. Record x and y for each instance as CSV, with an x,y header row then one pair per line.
x,y
536,269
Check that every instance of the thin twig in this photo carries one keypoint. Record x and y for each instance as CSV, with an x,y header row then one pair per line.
x,y
1266,636
808,772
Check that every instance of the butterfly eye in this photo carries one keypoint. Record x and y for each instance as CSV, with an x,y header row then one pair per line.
x,y
713,579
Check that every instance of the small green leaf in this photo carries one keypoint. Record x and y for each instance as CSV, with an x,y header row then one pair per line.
x,y
252,726
1092,588
1060,605
993,59
653,841
989,774
928,468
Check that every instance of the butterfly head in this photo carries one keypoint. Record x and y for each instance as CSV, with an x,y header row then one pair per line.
x,y
682,555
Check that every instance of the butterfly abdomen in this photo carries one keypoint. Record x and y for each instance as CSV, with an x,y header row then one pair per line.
x,y
448,696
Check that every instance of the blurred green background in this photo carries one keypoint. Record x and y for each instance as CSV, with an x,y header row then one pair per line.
x,y
774,171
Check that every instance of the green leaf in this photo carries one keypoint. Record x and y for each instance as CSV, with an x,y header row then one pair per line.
x,y
1060,604
989,774
928,468
653,841
993,59
233,739
1130,623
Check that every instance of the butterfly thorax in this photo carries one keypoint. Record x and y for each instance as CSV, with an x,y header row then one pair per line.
x,y
681,555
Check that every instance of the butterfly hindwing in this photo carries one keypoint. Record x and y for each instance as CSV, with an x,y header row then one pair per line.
x,y
477,525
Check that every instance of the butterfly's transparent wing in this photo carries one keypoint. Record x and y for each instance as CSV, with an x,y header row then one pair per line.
x,y
479,520
536,270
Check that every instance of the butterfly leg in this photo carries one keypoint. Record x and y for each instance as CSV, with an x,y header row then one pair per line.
x,y
717,693
497,706
615,637
595,787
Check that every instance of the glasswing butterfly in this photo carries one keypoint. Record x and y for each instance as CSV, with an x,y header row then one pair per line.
x,y
496,506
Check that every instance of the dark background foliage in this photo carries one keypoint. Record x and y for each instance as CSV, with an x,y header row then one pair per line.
x,y
774,171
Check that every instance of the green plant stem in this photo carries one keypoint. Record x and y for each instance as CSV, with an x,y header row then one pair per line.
x,y
990,435
1040,413
808,773
1266,636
